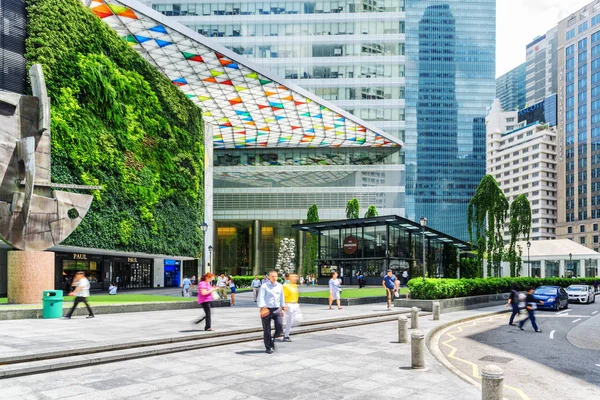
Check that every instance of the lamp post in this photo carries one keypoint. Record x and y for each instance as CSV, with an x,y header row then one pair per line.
x,y
423,222
204,228
210,249
589,266
528,260
571,262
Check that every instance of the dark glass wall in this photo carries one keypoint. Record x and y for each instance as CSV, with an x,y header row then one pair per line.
x,y
12,46
450,75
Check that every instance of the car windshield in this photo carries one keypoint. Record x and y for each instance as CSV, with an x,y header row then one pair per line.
x,y
576,288
545,291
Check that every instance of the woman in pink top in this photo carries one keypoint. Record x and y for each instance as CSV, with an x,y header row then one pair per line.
x,y
205,298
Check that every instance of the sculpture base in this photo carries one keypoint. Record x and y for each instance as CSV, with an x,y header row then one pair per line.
x,y
29,273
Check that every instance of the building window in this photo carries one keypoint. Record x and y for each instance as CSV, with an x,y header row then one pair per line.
x,y
570,229
596,239
582,240
581,228
595,227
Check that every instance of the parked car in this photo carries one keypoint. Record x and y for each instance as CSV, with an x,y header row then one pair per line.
x,y
581,294
552,297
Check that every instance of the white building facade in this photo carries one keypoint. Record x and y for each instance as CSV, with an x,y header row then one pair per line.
x,y
542,67
522,158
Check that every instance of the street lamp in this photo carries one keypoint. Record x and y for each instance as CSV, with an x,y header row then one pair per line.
x,y
210,249
571,263
528,260
204,228
423,222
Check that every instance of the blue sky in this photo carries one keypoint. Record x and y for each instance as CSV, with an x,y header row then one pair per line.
x,y
520,21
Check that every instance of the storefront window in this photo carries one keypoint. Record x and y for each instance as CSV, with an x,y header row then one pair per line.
x,y
90,268
552,269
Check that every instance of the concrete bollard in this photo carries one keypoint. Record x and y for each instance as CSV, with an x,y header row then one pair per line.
x,y
402,329
414,318
492,383
436,310
417,350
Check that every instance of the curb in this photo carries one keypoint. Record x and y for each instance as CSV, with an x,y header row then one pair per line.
x,y
439,356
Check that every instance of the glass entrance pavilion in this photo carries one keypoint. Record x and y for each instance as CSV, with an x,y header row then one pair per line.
x,y
372,245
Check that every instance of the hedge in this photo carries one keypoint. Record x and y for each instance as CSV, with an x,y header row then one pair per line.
x,y
242,281
119,123
434,289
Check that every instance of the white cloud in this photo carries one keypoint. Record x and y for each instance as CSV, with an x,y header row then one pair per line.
x,y
520,21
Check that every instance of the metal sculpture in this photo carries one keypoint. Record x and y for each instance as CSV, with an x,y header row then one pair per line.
x,y
33,216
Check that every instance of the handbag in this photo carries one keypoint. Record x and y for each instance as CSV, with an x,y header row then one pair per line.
x,y
215,296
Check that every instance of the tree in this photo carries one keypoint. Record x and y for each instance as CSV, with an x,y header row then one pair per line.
x,y
371,212
353,209
311,246
486,215
519,224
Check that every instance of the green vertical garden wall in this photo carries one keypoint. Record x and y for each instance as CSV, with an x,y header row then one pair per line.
x,y
119,123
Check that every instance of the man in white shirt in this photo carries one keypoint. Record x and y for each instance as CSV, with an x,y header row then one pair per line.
x,y
272,306
405,277
255,285
186,284
82,292
222,287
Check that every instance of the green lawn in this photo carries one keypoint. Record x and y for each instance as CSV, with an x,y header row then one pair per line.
x,y
3,300
352,293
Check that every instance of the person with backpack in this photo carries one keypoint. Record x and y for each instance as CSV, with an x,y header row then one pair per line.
x,y
513,301
531,307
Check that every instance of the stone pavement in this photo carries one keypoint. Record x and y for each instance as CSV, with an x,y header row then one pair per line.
x,y
363,362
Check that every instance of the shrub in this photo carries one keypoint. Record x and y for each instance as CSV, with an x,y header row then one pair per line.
x,y
434,289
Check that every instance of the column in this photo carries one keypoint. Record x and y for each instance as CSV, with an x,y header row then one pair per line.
x,y
598,267
300,250
561,268
543,269
29,273
256,242
208,196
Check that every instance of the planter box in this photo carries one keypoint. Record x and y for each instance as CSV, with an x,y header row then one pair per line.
x,y
343,302
99,309
455,304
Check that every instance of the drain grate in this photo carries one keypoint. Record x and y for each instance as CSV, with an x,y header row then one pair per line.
x,y
496,359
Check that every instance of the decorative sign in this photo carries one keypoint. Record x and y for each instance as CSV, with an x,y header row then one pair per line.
x,y
350,245
132,260
79,256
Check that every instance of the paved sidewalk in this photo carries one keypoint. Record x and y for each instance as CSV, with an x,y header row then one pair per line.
x,y
363,362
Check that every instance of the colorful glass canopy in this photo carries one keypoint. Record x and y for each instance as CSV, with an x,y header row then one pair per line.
x,y
247,107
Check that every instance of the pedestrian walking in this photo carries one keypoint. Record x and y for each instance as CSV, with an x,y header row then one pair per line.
x,y
193,279
596,285
361,279
531,307
264,280
335,290
222,287
255,285
272,306
405,278
186,284
205,291
232,289
293,313
513,301
81,293
390,286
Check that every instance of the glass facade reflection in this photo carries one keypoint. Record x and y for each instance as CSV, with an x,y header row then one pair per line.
x,y
450,68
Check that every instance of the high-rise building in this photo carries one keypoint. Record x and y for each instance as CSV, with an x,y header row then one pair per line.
x,y
541,72
579,126
12,45
450,71
510,89
521,155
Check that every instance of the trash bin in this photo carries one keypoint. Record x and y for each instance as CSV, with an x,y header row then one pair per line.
x,y
52,306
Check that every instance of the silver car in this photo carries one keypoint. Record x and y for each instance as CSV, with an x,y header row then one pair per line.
x,y
581,294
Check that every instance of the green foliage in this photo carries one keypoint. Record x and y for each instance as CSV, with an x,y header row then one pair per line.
x,y
486,214
433,289
371,212
119,123
311,246
353,209
451,257
519,224
470,268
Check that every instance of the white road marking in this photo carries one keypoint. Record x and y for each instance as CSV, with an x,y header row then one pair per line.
x,y
562,312
540,315
597,365
595,312
578,319
552,334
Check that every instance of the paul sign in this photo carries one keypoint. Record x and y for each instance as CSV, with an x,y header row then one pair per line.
x,y
350,245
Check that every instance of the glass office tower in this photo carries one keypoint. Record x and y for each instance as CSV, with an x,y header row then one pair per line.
x,y
450,70
12,46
